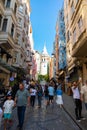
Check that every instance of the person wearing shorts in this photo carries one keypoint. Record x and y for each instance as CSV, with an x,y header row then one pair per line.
x,y
51,92
8,106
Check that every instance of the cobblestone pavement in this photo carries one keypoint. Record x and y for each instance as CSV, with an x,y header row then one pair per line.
x,y
52,118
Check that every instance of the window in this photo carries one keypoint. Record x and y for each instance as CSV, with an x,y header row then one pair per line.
x,y
3,2
76,1
74,35
12,30
20,8
20,21
0,20
80,22
15,8
72,9
8,3
68,36
67,19
4,25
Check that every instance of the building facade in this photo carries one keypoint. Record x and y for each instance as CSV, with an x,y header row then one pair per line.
x,y
60,47
61,40
76,38
8,23
14,37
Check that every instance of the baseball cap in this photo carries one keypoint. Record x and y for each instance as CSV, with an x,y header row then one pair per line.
x,y
9,94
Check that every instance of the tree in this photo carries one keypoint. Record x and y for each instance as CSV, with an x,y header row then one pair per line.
x,y
43,77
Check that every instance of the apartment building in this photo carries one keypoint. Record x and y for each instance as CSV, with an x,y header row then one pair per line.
x,y
8,23
14,37
22,34
76,38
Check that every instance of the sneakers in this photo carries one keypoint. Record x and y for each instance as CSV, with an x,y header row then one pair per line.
x,y
78,119
82,118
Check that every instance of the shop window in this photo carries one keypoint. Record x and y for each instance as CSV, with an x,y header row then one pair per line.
x,y
8,3
12,30
4,25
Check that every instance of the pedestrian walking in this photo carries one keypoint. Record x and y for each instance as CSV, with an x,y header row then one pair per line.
x,y
33,92
22,98
51,91
59,99
7,107
46,93
78,103
84,94
39,94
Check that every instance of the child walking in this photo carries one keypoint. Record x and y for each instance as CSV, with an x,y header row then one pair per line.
x,y
8,105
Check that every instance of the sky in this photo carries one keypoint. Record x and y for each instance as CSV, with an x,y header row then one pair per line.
x,y
43,18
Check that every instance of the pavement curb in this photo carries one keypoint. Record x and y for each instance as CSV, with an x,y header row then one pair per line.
x,y
69,114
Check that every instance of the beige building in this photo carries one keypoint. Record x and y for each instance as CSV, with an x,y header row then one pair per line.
x,y
14,36
8,23
76,38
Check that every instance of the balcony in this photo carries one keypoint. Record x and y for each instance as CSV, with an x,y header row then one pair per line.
x,y
7,41
80,46
10,12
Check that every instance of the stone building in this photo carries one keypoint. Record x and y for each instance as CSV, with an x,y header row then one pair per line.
x,y
76,38
14,36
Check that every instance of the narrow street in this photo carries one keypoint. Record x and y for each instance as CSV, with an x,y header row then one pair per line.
x,y
52,118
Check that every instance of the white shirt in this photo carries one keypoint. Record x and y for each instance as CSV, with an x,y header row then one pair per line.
x,y
8,105
76,93
33,92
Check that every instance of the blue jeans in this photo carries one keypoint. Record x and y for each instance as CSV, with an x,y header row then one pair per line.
x,y
21,114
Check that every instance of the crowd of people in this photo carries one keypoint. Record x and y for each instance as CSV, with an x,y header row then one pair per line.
x,y
25,94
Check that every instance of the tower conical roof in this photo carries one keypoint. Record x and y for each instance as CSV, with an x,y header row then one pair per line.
x,y
44,52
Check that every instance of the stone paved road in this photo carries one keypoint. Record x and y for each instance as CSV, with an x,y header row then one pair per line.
x,y
54,118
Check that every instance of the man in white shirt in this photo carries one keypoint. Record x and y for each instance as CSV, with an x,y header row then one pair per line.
x,y
84,94
78,103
